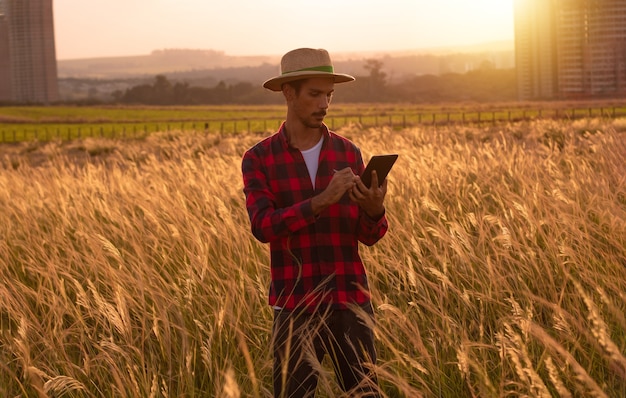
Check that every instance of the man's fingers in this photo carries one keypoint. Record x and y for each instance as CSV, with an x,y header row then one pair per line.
x,y
374,183
344,171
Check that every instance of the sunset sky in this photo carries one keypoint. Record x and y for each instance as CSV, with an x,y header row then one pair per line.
x,y
102,28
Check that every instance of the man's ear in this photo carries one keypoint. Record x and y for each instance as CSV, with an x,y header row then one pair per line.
x,y
289,92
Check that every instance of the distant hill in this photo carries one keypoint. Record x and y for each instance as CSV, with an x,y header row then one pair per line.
x,y
180,61
98,78
157,62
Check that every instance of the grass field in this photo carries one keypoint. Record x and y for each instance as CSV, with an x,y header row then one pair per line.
x,y
129,270
19,124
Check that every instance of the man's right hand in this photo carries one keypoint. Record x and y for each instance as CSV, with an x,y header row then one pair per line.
x,y
343,180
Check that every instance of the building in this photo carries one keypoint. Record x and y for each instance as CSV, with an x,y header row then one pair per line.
x,y
5,71
570,49
28,68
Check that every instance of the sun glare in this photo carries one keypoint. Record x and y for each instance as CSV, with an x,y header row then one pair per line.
x,y
83,30
420,24
473,21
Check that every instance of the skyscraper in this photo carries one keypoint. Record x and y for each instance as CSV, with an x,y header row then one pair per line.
x,y
5,61
28,68
570,49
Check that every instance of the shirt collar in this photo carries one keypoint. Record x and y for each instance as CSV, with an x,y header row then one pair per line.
x,y
282,132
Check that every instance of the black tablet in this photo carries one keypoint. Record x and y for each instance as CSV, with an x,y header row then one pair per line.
x,y
382,164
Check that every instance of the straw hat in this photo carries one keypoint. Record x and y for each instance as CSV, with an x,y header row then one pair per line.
x,y
304,63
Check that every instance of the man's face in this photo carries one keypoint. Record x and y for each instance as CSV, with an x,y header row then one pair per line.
x,y
311,103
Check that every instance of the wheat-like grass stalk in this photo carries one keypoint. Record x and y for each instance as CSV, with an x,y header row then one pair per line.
x,y
132,271
555,378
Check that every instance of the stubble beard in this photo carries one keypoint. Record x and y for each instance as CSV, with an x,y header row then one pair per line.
x,y
315,121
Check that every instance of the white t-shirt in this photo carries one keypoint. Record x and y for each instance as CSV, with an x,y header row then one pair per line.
x,y
311,158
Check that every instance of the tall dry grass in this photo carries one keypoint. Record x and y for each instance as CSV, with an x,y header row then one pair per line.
x,y
128,268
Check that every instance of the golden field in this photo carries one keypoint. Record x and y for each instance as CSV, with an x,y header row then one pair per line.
x,y
128,268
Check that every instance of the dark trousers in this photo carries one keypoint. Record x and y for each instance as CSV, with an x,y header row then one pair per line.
x,y
300,341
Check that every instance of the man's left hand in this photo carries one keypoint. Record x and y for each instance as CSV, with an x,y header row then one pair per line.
x,y
370,199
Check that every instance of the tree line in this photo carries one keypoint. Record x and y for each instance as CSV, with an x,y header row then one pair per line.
x,y
485,84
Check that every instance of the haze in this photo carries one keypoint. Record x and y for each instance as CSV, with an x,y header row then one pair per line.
x,y
103,28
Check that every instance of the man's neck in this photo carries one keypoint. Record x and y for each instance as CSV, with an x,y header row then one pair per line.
x,y
302,137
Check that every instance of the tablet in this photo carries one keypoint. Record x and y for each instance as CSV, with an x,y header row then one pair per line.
x,y
382,164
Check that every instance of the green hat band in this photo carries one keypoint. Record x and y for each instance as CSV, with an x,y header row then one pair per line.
x,y
327,69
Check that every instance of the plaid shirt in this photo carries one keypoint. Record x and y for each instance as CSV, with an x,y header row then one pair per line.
x,y
314,259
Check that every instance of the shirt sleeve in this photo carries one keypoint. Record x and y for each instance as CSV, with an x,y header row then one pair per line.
x,y
268,222
371,231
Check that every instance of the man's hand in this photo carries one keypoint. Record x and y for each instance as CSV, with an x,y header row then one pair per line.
x,y
343,181
370,199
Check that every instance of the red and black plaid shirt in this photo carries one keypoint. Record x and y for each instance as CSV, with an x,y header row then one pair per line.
x,y
314,260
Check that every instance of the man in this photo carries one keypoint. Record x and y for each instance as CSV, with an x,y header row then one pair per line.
x,y
304,196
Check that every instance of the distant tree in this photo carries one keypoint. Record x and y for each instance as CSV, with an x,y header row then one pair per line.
x,y
162,90
140,94
180,93
483,84
221,92
377,78
478,85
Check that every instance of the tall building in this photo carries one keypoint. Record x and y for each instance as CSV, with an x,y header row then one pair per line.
x,y
5,71
28,68
570,49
